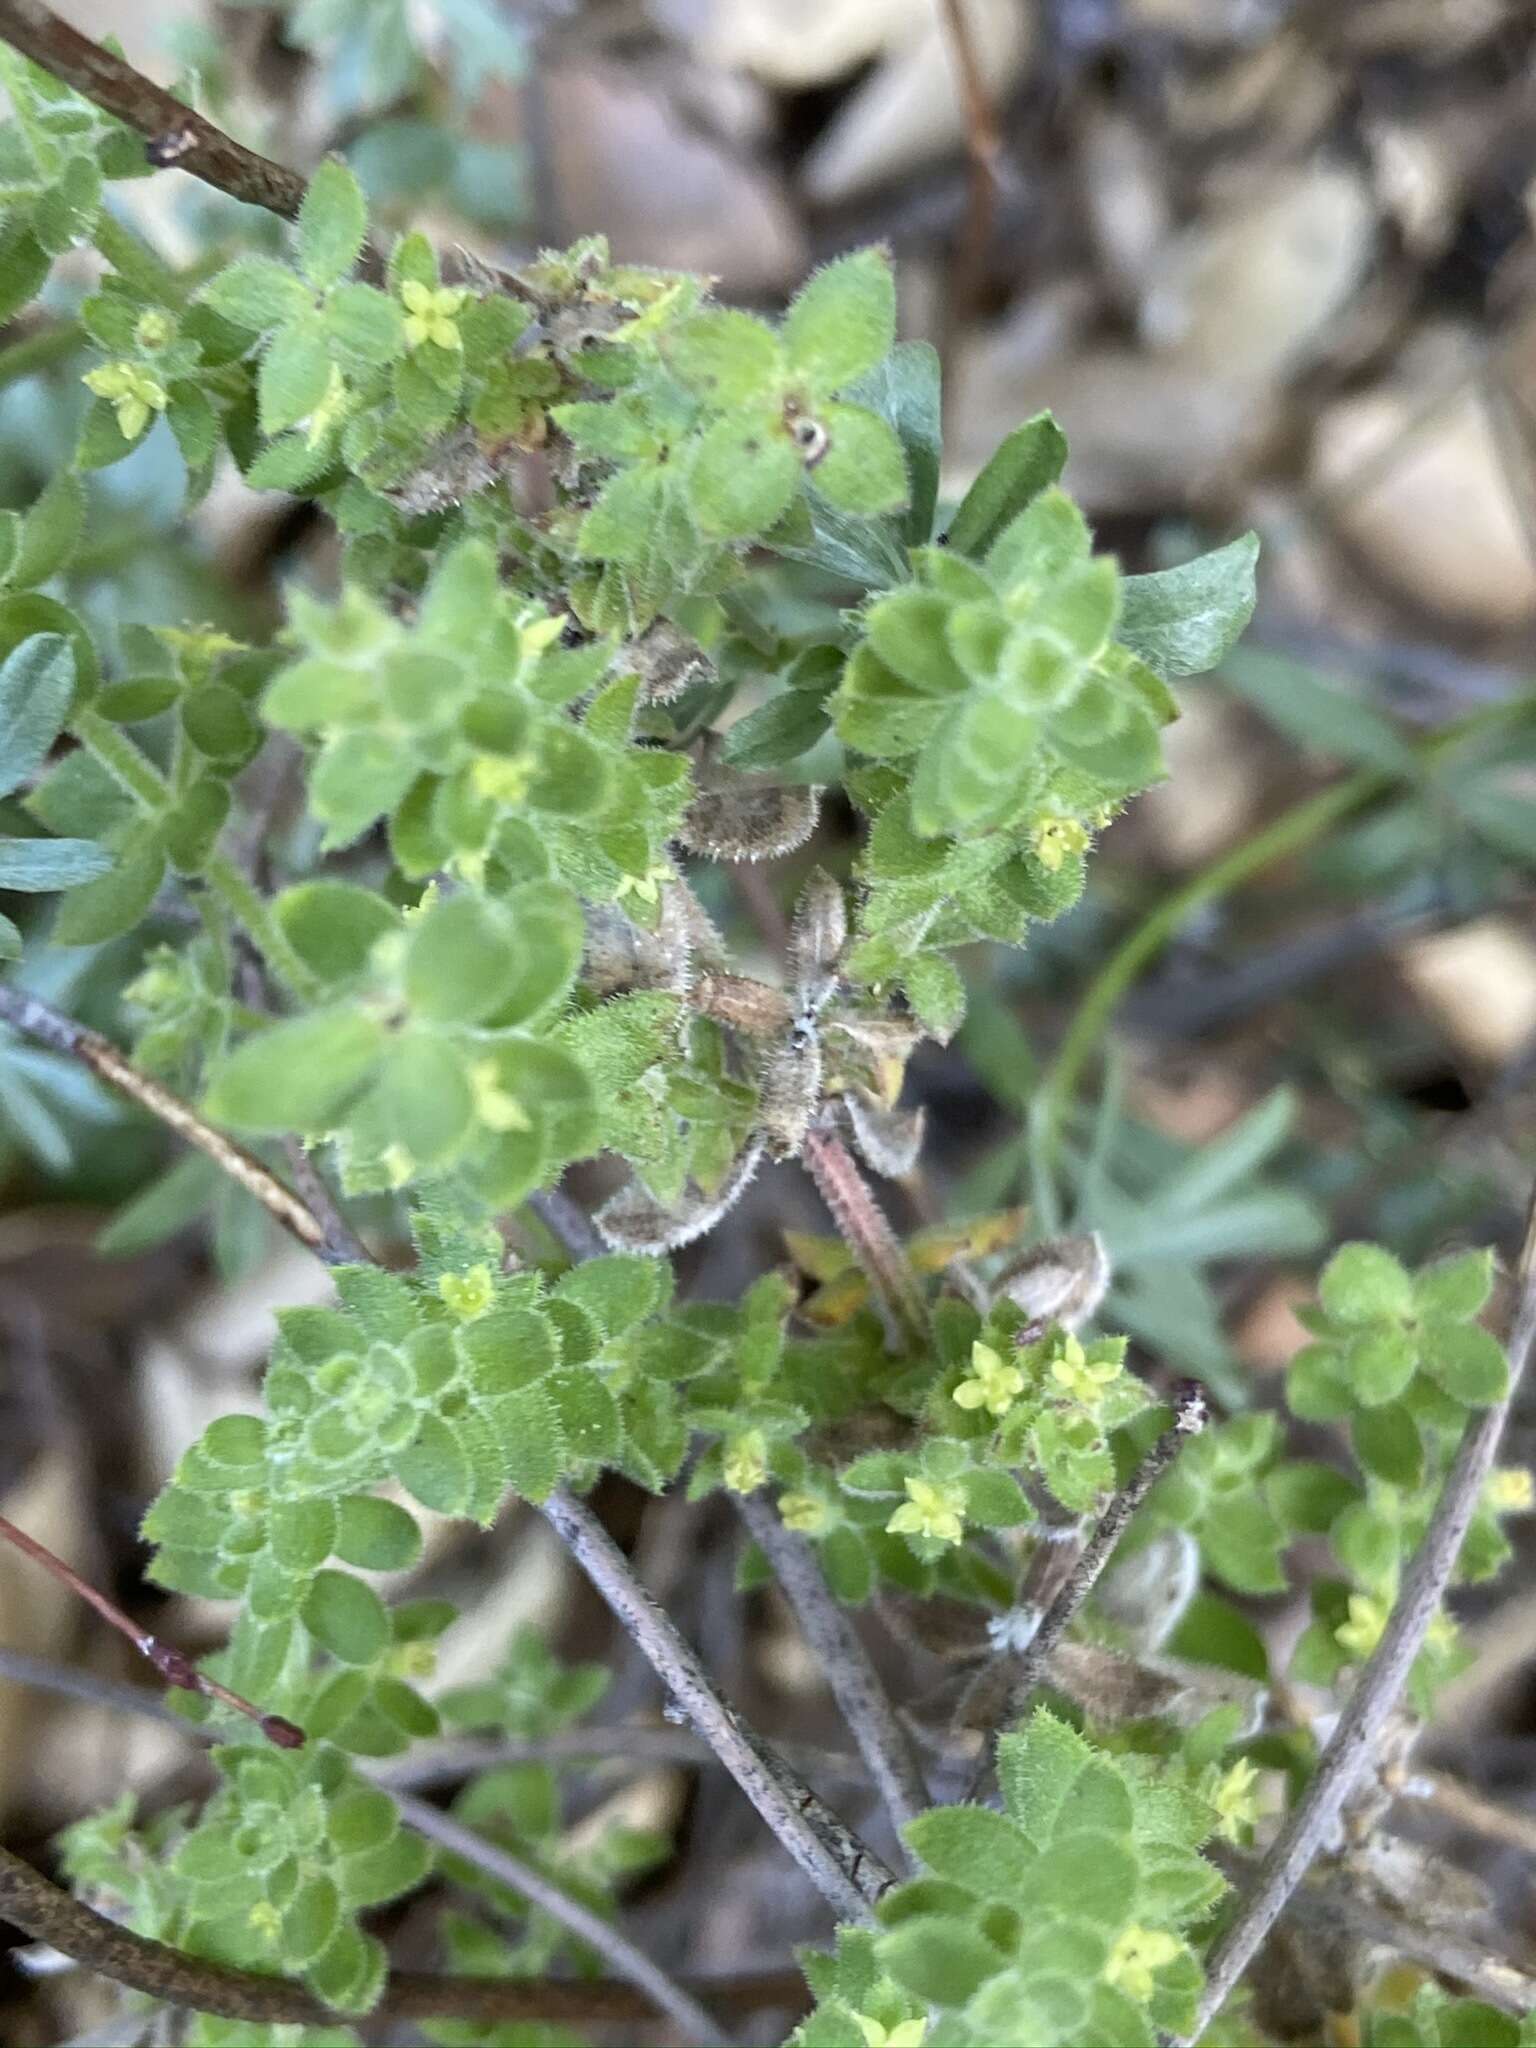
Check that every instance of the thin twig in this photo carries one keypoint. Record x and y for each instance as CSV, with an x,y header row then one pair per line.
x,y
173,1665
845,1663
1328,1903
33,1017
177,135
1382,1681
567,1222
1189,1418
48,1913
617,1950
637,1744
625,1959
865,1230
984,150
840,1867
1459,1804
341,1245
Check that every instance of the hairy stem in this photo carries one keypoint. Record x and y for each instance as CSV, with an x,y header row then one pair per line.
x,y
845,1663
840,1867
1354,1741
1190,1415
177,134
48,1913
36,1019
863,1226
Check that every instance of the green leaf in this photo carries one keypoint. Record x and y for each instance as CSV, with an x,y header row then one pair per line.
x,y
332,223
1468,1362
1362,1283
744,472
942,1960
257,294
50,532
1181,622
904,390
294,377
1454,1289
114,902
366,323
334,926
424,1097
297,1076
1387,1443
727,357
843,322
37,681
975,1847
463,961
1319,715
863,469
1028,462
1380,1363
376,1535
32,865
357,779
346,1617
436,1468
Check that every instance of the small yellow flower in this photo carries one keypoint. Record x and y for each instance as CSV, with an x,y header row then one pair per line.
x,y
1084,1379
930,1510
1362,1632
132,394
1054,838
1510,1491
1236,1801
1138,1953
264,1919
645,888
905,2033
805,1512
495,1106
745,1464
470,1294
991,1383
502,778
429,313
154,329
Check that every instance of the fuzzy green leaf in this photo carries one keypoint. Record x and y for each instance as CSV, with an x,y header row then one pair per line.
x,y
1182,621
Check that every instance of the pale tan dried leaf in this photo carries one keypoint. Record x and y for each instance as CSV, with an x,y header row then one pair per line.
x,y
791,1093
817,938
889,1139
634,1221
1062,1280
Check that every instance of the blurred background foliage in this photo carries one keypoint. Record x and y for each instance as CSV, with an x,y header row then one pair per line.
x,y
1272,266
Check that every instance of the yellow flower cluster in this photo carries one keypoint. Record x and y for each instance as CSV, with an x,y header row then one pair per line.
x,y
1084,1379
991,1383
1054,839
930,1510
133,394
745,1464
1136,1956
470,1294
429,313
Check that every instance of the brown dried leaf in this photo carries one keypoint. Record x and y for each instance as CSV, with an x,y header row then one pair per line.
x,y
751,821
817,938
791,1093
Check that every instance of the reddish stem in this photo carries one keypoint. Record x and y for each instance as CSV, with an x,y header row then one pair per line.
x,y
173,1665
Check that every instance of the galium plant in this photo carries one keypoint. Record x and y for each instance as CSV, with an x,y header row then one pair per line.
x,y
626,579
